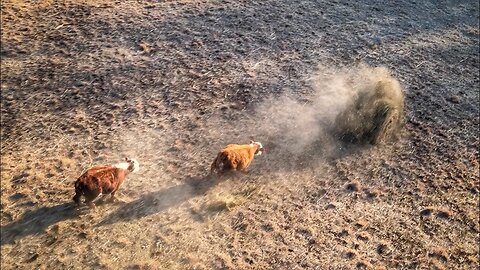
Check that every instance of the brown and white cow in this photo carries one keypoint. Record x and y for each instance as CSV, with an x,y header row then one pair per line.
x,y
104,179
235,157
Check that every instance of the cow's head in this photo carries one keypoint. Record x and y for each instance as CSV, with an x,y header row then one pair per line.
x,y
259,146
133,166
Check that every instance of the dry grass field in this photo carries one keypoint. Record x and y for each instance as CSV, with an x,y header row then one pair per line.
x,y
171,82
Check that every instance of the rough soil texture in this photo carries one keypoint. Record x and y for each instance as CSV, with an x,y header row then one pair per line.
x,y
172,82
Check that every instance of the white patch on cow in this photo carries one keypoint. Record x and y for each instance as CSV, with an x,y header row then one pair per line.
x,y
260,146
122,165
136,165
126,164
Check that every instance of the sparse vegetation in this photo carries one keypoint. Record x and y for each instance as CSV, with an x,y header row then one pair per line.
x,y
85,83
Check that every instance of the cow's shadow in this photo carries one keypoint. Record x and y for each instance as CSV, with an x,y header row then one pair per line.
x,y
37,221
158,201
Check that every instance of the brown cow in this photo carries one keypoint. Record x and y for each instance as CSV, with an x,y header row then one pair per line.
x,y
105,179
235,157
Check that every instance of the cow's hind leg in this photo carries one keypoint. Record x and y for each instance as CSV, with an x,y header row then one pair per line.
x,y
113,198
77,198
89,197
90,204
78,192
102,199
213,167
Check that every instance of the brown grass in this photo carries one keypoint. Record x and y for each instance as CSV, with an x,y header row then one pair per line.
x,y
86,83
226,202
439,253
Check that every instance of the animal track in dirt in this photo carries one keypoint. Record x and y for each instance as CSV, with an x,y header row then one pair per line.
x,y
441,212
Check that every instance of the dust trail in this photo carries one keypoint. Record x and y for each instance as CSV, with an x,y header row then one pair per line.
x,y
294,129
310,127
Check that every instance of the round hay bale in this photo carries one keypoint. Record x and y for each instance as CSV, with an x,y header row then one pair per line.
x,y
374,116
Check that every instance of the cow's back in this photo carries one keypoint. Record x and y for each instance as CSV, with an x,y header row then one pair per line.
x,y
98,177
238,156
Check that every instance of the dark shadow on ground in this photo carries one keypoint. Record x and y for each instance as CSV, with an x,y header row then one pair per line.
x,y
36,221
158,201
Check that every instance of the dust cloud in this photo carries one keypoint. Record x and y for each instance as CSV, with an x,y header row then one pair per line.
x,y
343,101
346,106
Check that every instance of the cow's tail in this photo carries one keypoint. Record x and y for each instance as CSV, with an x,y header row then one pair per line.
x,y
213,168
78,192
218,164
